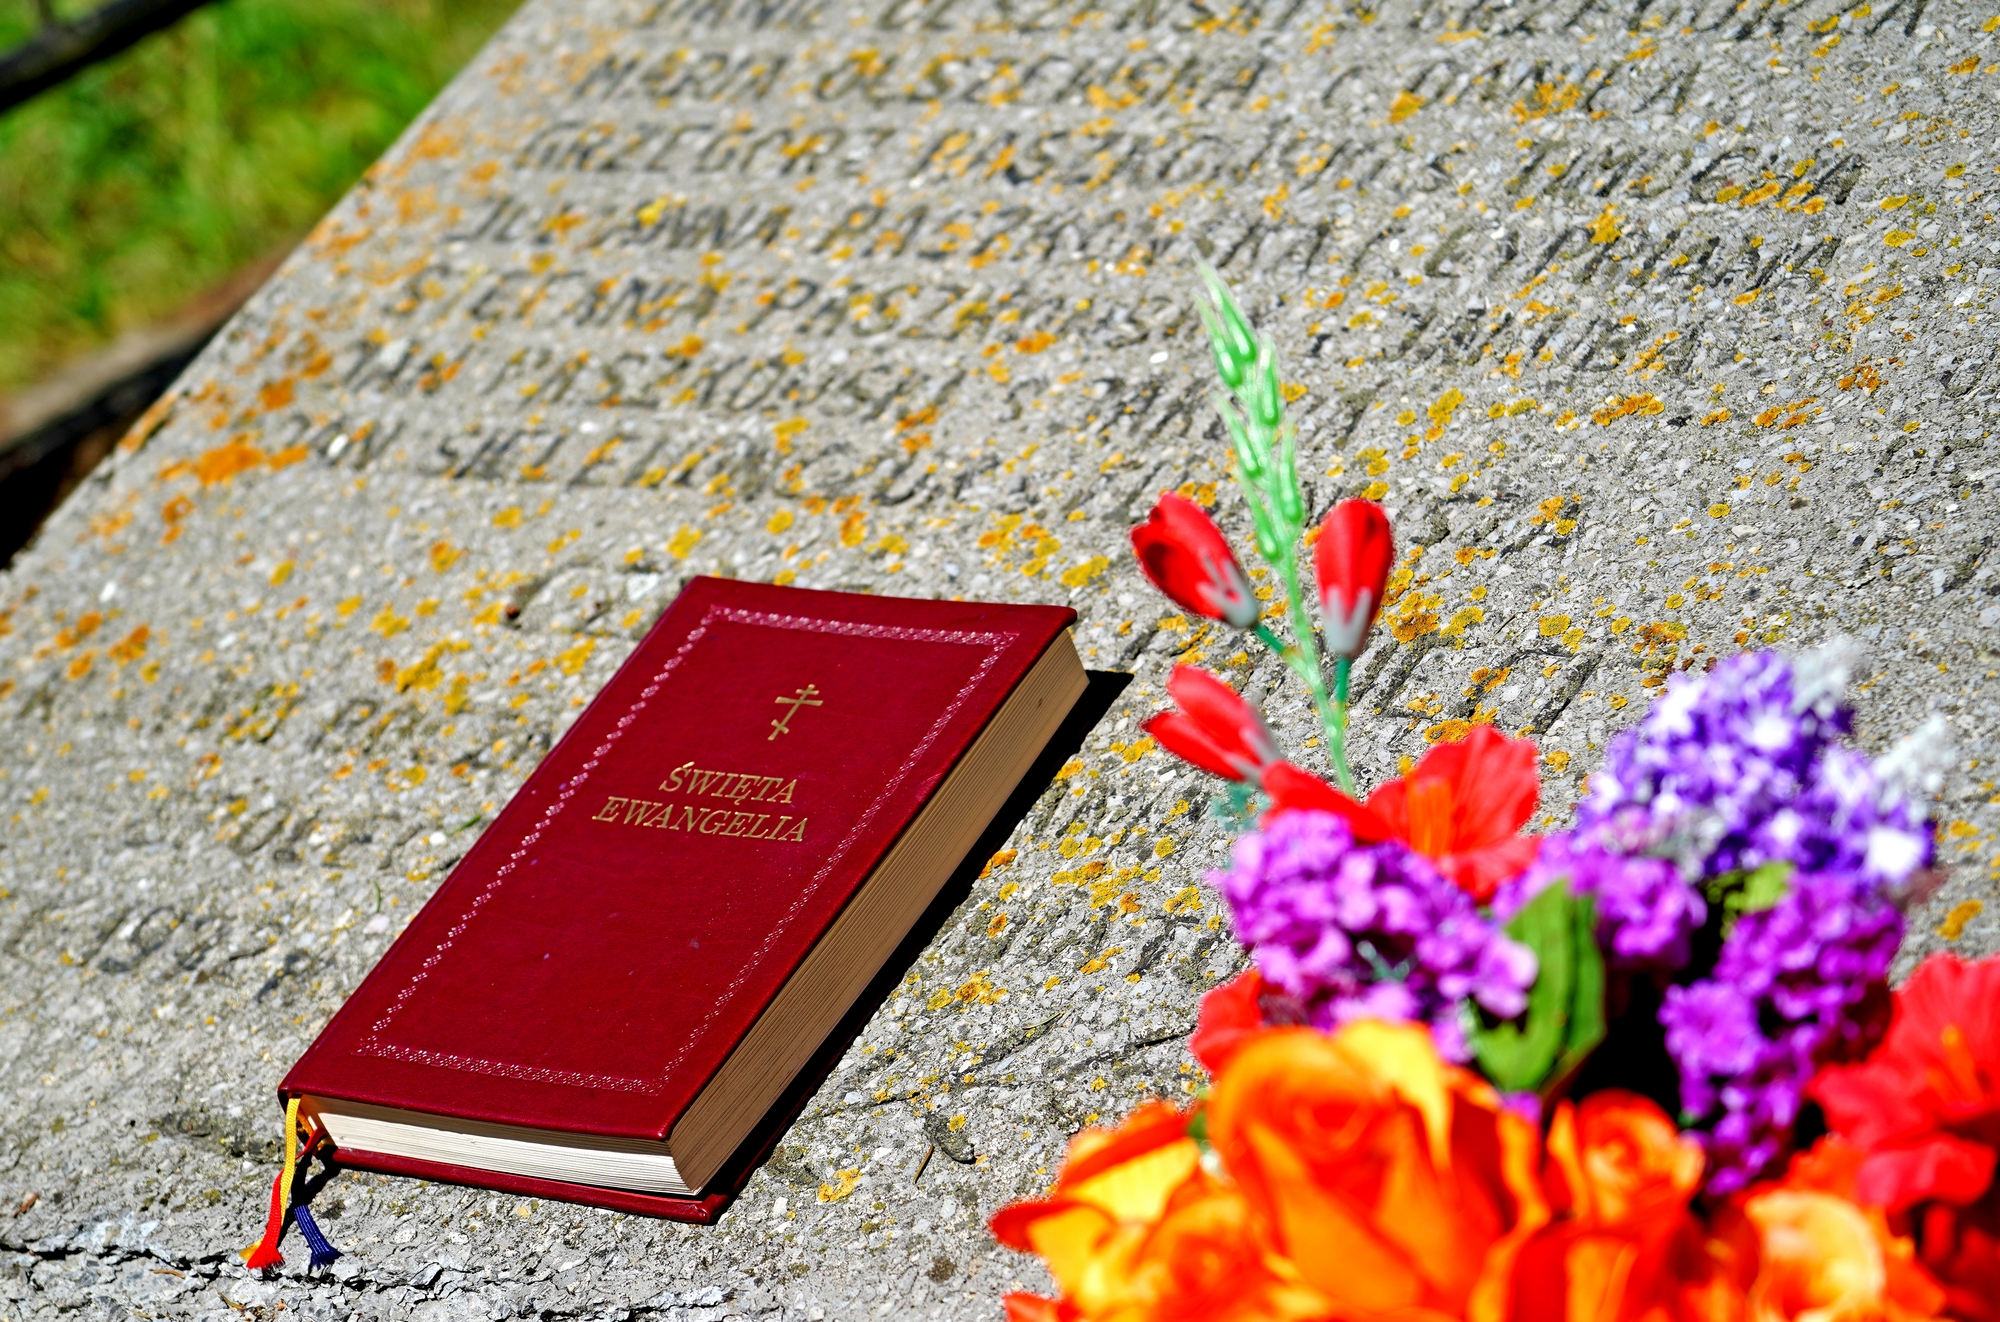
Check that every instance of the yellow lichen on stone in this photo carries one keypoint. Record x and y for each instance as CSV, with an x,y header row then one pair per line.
x,y
1961,913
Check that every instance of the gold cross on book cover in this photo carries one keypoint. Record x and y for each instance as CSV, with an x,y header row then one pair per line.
x,y
805,697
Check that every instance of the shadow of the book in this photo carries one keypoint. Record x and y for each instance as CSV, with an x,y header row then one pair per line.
x,y
1103,691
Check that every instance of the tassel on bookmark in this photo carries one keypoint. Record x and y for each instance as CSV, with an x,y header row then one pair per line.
x,y
323,1253
264,1253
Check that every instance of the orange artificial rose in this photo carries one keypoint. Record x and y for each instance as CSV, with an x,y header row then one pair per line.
x,y
1822,1258
1135,1231
1807,1252
1625,1246
1395,1182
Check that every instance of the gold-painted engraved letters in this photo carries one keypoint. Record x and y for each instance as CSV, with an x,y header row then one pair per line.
x,y
738,787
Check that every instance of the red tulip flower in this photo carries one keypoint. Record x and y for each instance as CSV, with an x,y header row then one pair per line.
x,y
1352,560
1462,806
1189,559
1215,729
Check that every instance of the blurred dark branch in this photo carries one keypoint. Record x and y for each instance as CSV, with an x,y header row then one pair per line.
x,y
64,47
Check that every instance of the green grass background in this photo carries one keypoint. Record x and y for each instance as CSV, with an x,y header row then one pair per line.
x,y
151,177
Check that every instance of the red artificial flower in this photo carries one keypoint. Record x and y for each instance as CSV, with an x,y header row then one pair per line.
x,y
1351,560
1462,806
1229,1017
1925,1106
1924,1113
1215,729
1189,559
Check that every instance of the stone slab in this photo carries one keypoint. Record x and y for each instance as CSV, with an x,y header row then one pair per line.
x,y
1662,328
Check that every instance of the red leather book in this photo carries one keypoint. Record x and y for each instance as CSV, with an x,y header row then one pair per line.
x,y
634,961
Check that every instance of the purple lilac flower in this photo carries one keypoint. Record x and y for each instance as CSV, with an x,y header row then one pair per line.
x,y
1368,931
1797,985
1646,913
1729,772
1742,767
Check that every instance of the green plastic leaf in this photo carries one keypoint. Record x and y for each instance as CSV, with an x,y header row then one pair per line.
x,y
1586,1020
1564,1021
1739,892
1763,888
1519,1058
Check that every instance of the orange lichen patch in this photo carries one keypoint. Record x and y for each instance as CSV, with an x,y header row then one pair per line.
x,y
81,666
1406,104
1415,614
1647,359
1662,635
1863,376
1782,416
1550,511
1034,343
1011,534
413,204
110,524
1961,913
172,513
444,555
131,647
86,624
425,673
330,238
854,528
1616,407
1441,411
219,464
149,422
285,458
435,143
276,395
1547,99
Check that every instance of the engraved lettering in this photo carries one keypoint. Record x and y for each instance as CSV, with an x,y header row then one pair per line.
x,y
797,832
738,823
609,812
673,780
638,810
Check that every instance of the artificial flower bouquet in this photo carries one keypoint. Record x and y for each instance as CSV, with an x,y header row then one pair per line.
x,y
1648,1068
